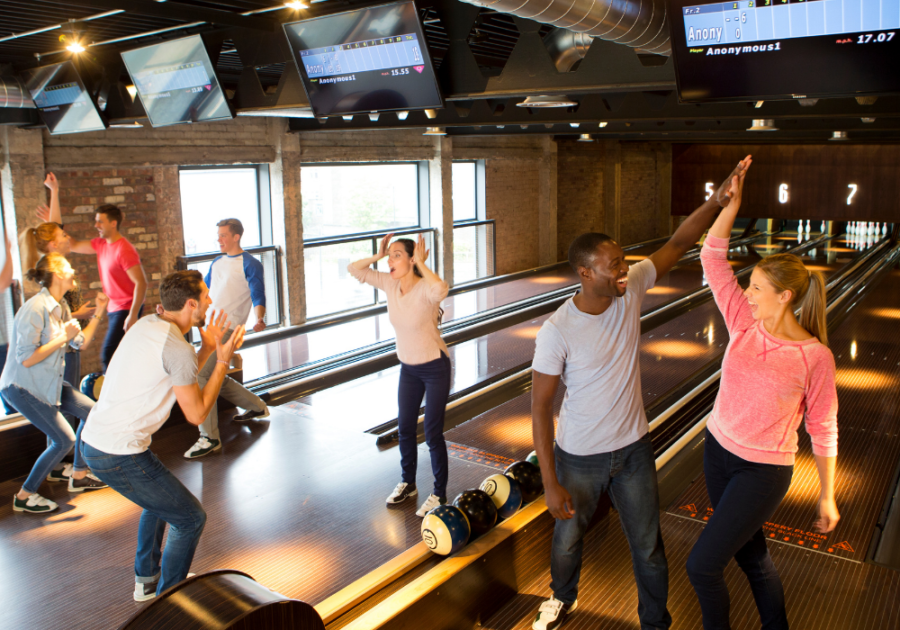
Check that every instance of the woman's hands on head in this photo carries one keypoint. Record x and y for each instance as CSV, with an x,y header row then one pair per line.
x,y
383,247
420,254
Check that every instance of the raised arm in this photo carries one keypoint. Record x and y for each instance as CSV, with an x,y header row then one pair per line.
x,y
362,269
53,214
721,228
438,289
689,232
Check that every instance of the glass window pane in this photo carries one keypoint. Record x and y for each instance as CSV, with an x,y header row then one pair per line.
x,y
210,195
473,255
329,287
464,207
350,199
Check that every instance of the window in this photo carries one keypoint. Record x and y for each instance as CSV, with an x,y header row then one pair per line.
x,y
209,195
473,237
347,209
344,199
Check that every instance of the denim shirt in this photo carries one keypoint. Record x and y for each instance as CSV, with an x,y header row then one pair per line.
x,y
40,320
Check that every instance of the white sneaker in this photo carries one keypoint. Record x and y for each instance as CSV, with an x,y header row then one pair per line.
x,y
145,591
401,493
430,503
61,474
203,446
36,504
552,614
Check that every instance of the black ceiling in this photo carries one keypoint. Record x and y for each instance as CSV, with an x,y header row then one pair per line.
x,y
482,75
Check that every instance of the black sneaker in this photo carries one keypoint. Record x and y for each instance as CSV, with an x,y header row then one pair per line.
x,y
251,415
35,504
402,492
88,482
60,474
552,614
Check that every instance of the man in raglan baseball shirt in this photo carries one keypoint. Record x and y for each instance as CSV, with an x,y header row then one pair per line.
x,y
236,284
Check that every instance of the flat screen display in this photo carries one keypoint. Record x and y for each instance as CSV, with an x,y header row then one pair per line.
x,y
783,49
367,60
64,104
176,82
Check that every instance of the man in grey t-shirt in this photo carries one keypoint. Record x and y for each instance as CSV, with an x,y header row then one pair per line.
x,y
602,442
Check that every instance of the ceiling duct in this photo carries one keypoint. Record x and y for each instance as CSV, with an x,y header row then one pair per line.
x,y
636,23
567,48
13,94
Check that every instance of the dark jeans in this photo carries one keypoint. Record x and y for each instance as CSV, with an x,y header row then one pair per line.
x,y
432,381
114,334
47,418
629,475
6,406
144,480
744,495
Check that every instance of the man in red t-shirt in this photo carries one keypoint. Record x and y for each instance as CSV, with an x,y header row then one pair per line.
x,y
121,273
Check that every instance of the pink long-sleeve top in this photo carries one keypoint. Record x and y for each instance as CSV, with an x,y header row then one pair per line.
x,y
767,384
414,316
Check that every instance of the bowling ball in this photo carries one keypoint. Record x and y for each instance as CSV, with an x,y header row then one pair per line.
x,y
91,385
529,477
533,459
479,509
504,492
445,530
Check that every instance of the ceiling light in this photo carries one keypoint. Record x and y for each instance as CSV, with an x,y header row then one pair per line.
x,y
758,104
547,101
603,124
838,135
132,91
574,125
347,118
402,115
867,120
296,6
430,114
585,137
134,125
75,47
763,124
373,116
434,131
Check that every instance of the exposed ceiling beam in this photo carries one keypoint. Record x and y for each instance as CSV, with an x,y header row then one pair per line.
x,y
178,11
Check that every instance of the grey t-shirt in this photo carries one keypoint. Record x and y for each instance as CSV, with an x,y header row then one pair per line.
x,y
599,360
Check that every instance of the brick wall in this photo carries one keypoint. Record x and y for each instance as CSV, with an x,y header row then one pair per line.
x,y
133,190
638,198
580,192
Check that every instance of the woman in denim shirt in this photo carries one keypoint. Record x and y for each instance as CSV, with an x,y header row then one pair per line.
x,y
32,379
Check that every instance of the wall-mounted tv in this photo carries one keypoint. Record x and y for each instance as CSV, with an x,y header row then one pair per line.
x,y
782,49
64,104
366,60
177,82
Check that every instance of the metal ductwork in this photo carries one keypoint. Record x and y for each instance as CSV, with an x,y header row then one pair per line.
x,y
567,48
13,94
640,24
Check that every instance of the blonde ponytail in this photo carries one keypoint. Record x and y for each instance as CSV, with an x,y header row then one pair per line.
x,y
787,272
34,242
812,308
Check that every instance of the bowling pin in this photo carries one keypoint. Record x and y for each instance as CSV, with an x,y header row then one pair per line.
x,y
871,228
807,226
884,230
822,228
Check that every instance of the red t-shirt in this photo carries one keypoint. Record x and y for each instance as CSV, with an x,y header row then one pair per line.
x,y
113,261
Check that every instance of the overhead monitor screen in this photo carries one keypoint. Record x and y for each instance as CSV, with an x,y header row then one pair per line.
x,y
782,49
366,60
176,82
62,100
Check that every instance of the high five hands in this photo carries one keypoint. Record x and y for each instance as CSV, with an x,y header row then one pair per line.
x,y
734,183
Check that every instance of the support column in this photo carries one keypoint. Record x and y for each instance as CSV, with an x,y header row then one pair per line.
x,y
440,174
286,201
612,189
170,226
547,203
22,175
664,189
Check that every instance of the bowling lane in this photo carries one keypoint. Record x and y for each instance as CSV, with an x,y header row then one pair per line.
x,y
373,398
325,343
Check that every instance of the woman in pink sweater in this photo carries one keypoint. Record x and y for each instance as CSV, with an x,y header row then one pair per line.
x,y
776,370
414,293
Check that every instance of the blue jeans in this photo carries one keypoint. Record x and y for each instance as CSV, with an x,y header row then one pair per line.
x,y
143,480
4,349
629,475
744,495
48,419
432,381
114,334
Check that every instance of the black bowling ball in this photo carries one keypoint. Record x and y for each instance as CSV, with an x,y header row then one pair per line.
x,y
529,477
479,509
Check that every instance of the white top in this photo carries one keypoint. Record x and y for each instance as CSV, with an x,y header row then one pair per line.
x,y
599,360
414,316
137,393
235,284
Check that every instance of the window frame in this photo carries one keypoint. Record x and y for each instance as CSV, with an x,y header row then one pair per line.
x,y
421,195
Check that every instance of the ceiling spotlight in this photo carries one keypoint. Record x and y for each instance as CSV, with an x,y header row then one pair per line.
x,y
434,131
430,114
75,47
867,120
296,6
838,135
585,137
603,124
402,115
763,124
500,126
134,125
574,125
758,104
347,118
547,101
132,91
373,116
